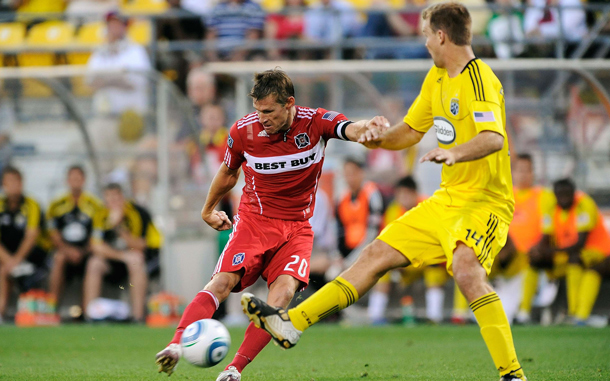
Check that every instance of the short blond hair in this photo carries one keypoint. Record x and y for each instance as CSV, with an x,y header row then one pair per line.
x,y
453,19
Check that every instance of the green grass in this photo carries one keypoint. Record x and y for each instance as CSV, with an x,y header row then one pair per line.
x,y
326,352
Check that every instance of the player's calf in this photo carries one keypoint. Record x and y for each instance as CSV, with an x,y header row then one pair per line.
x,y
273,320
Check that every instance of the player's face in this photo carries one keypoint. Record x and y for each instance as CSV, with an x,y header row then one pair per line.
x,y
354,176
433,43
406,197
523,174
114,199
565,197
76,180
273,116
12,185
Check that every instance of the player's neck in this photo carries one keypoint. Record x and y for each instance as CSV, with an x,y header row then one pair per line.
x,y
76,194
458,58
293,112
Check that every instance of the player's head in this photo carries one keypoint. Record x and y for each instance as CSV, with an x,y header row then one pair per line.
x,y
273,99
405,192
76,178
353,171
523,171
445,24
113,196
564,193
200,87
212,117
116,26
12,181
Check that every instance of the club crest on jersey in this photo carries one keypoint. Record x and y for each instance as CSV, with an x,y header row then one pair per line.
x,y
238,258
263,134
455,106
230,141
302,140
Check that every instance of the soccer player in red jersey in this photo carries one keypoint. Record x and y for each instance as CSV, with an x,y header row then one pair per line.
x,y
280,148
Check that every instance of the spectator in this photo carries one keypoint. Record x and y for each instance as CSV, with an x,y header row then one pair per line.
x,y
325,241
7,123
479,14
505,29
124,242
542,19
383,22
287,25
232,24
359,212
21,260
70,224
120,100
201,88
331,21
89,10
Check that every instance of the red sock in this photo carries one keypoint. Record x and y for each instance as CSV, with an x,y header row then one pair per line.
x,y
202,306
255,340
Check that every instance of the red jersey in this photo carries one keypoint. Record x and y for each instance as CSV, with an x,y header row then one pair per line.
x,y
282,170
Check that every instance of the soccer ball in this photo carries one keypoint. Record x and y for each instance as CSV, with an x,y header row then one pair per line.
x,y
205,343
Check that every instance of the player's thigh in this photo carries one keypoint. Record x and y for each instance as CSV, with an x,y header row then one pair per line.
x,y
591,258
478,229
415,236
243,253
292,258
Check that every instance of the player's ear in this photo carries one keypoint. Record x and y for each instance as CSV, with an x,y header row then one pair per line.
x,y
441,36
289,102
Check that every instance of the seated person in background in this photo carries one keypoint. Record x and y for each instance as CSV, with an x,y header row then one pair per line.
x,y
124,239
70,223
406,198
576,230
287,25
382,22
20,227
505,29
232,24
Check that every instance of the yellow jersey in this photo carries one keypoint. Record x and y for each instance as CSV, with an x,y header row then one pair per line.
x,y
460,108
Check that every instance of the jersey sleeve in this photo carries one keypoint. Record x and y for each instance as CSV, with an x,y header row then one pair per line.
x,y
332,124
33,214
51,218
487,116
586,216
547,211
419,117
234,150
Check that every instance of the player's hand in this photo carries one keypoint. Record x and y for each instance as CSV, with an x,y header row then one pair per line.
x,y
9,265
217,220
371,135
73,254
439,155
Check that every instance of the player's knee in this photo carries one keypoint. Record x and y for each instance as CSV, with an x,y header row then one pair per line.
x,y
375,258
135,260
221,285
59,258
96,265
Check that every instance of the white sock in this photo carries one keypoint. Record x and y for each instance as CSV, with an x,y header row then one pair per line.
x,y
435,298
378,301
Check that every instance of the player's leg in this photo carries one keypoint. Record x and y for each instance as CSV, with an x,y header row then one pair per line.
x,y
471,278
97,267
574,272
5,289
435,278
530,286
589,284
138,281
281,292
57,275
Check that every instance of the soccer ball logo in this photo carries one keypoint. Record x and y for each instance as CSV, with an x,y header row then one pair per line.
x,y
302,140
455,106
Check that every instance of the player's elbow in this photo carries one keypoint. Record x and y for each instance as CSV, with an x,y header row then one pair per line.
x,y
496,142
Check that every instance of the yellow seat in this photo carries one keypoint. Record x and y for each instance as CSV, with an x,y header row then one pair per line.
x,y
272,6
47,35
11,36
140,32
144,7
89,36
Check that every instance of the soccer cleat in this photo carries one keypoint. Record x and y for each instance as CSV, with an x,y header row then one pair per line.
x,y
168,358
230,374
273,320
515,375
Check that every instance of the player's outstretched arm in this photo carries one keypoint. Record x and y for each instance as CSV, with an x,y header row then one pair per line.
x,y
223,182
397,137
485,143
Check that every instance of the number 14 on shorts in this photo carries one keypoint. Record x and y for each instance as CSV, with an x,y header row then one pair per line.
x,y
476,237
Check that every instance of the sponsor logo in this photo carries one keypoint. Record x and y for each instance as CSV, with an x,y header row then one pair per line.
x,y
285,163
445,132
238,258
455,106
302,140
230,142
331,115
263,134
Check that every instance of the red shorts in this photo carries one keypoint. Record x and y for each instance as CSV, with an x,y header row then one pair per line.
x,y
267,247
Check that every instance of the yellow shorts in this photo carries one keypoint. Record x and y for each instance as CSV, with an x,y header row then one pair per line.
x,y
434,276
429,233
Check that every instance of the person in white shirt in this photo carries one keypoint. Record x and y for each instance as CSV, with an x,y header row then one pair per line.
x,y
564,17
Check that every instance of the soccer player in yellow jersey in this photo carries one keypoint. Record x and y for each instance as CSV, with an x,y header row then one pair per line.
x,y
465,223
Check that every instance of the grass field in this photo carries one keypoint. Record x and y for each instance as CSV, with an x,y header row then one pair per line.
x,y
326,352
